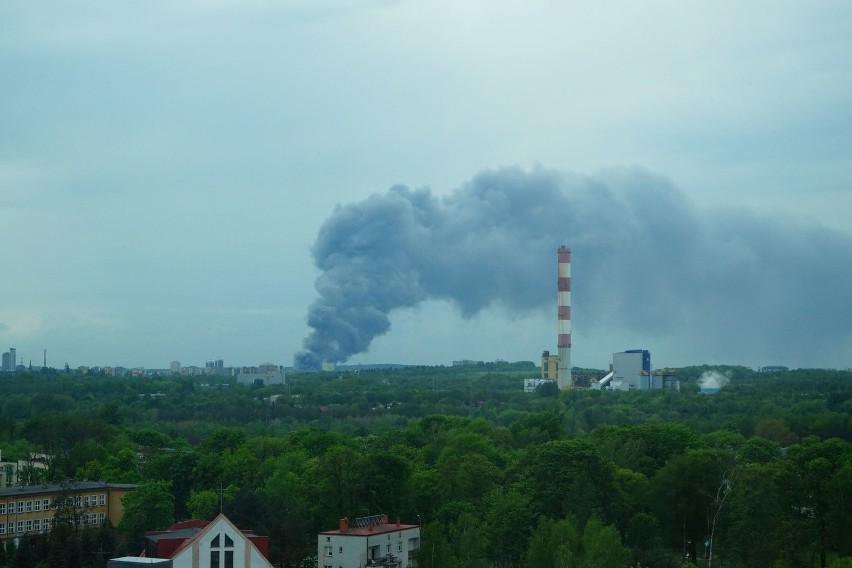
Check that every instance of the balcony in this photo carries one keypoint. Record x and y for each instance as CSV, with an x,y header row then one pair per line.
x,y
391,561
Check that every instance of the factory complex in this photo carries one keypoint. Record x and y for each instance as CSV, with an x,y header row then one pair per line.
x,y
629,370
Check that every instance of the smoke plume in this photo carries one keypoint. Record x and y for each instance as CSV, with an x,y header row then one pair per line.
x,y
644,258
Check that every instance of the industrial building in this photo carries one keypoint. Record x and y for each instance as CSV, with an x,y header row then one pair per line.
x,y
368,541
631,371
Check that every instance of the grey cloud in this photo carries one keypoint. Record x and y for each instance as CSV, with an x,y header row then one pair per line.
x,y
644,258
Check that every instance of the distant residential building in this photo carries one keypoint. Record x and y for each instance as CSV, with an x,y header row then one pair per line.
x,y
530,385
30,509
772,369
174,367
268,378
368,541
201,544
22,472
10,360
466,363
270,368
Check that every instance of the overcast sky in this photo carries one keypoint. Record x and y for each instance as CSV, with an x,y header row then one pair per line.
x,y
166,167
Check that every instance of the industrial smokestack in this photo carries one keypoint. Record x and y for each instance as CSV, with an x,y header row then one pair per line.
x,y
563,287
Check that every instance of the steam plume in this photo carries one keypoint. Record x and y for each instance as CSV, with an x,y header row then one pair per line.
x,y
644,257
714,379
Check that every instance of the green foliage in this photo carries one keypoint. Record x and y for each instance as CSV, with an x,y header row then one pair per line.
x,y
148,508
497,477
570,477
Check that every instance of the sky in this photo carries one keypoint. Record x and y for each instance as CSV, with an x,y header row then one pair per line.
x,y
195,180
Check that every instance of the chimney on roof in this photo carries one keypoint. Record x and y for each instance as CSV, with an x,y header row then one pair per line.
x,y
384,519
344,525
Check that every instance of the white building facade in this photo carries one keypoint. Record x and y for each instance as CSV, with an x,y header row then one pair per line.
x,y
368,542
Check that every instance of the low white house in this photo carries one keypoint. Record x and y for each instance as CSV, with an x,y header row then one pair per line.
x,y
367,542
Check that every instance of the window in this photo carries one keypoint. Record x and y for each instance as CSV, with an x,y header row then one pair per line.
x,y
10,528
77,500
388,550
86,501
46,524
37,525
20,526
399,547
102,499
341,549
328,551
215,542
2,508
29,526
229,559
11,507
214,559
2,528
29,506
102,517
45,504
229,542
20,506
38,504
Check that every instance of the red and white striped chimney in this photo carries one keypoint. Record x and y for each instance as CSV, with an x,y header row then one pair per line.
x,y
563,368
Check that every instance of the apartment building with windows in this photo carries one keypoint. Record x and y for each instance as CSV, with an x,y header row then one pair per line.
x,y
368,542
29,509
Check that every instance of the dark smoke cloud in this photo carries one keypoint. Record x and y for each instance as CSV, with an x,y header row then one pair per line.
x,y
644,258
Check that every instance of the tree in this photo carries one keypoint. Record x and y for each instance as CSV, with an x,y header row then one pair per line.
x,y
602,546
727,482
813,465
554,543
149,507
751,533
570,477
203,504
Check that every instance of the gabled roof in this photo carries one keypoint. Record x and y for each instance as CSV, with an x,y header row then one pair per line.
x,y
214,526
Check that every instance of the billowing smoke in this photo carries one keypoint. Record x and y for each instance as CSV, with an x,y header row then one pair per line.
x,y
714,380
644,258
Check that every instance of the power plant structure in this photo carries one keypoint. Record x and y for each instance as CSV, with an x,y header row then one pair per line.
x,y
629,370
563,343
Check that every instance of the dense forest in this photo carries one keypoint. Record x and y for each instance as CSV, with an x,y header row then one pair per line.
x,y
758,474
